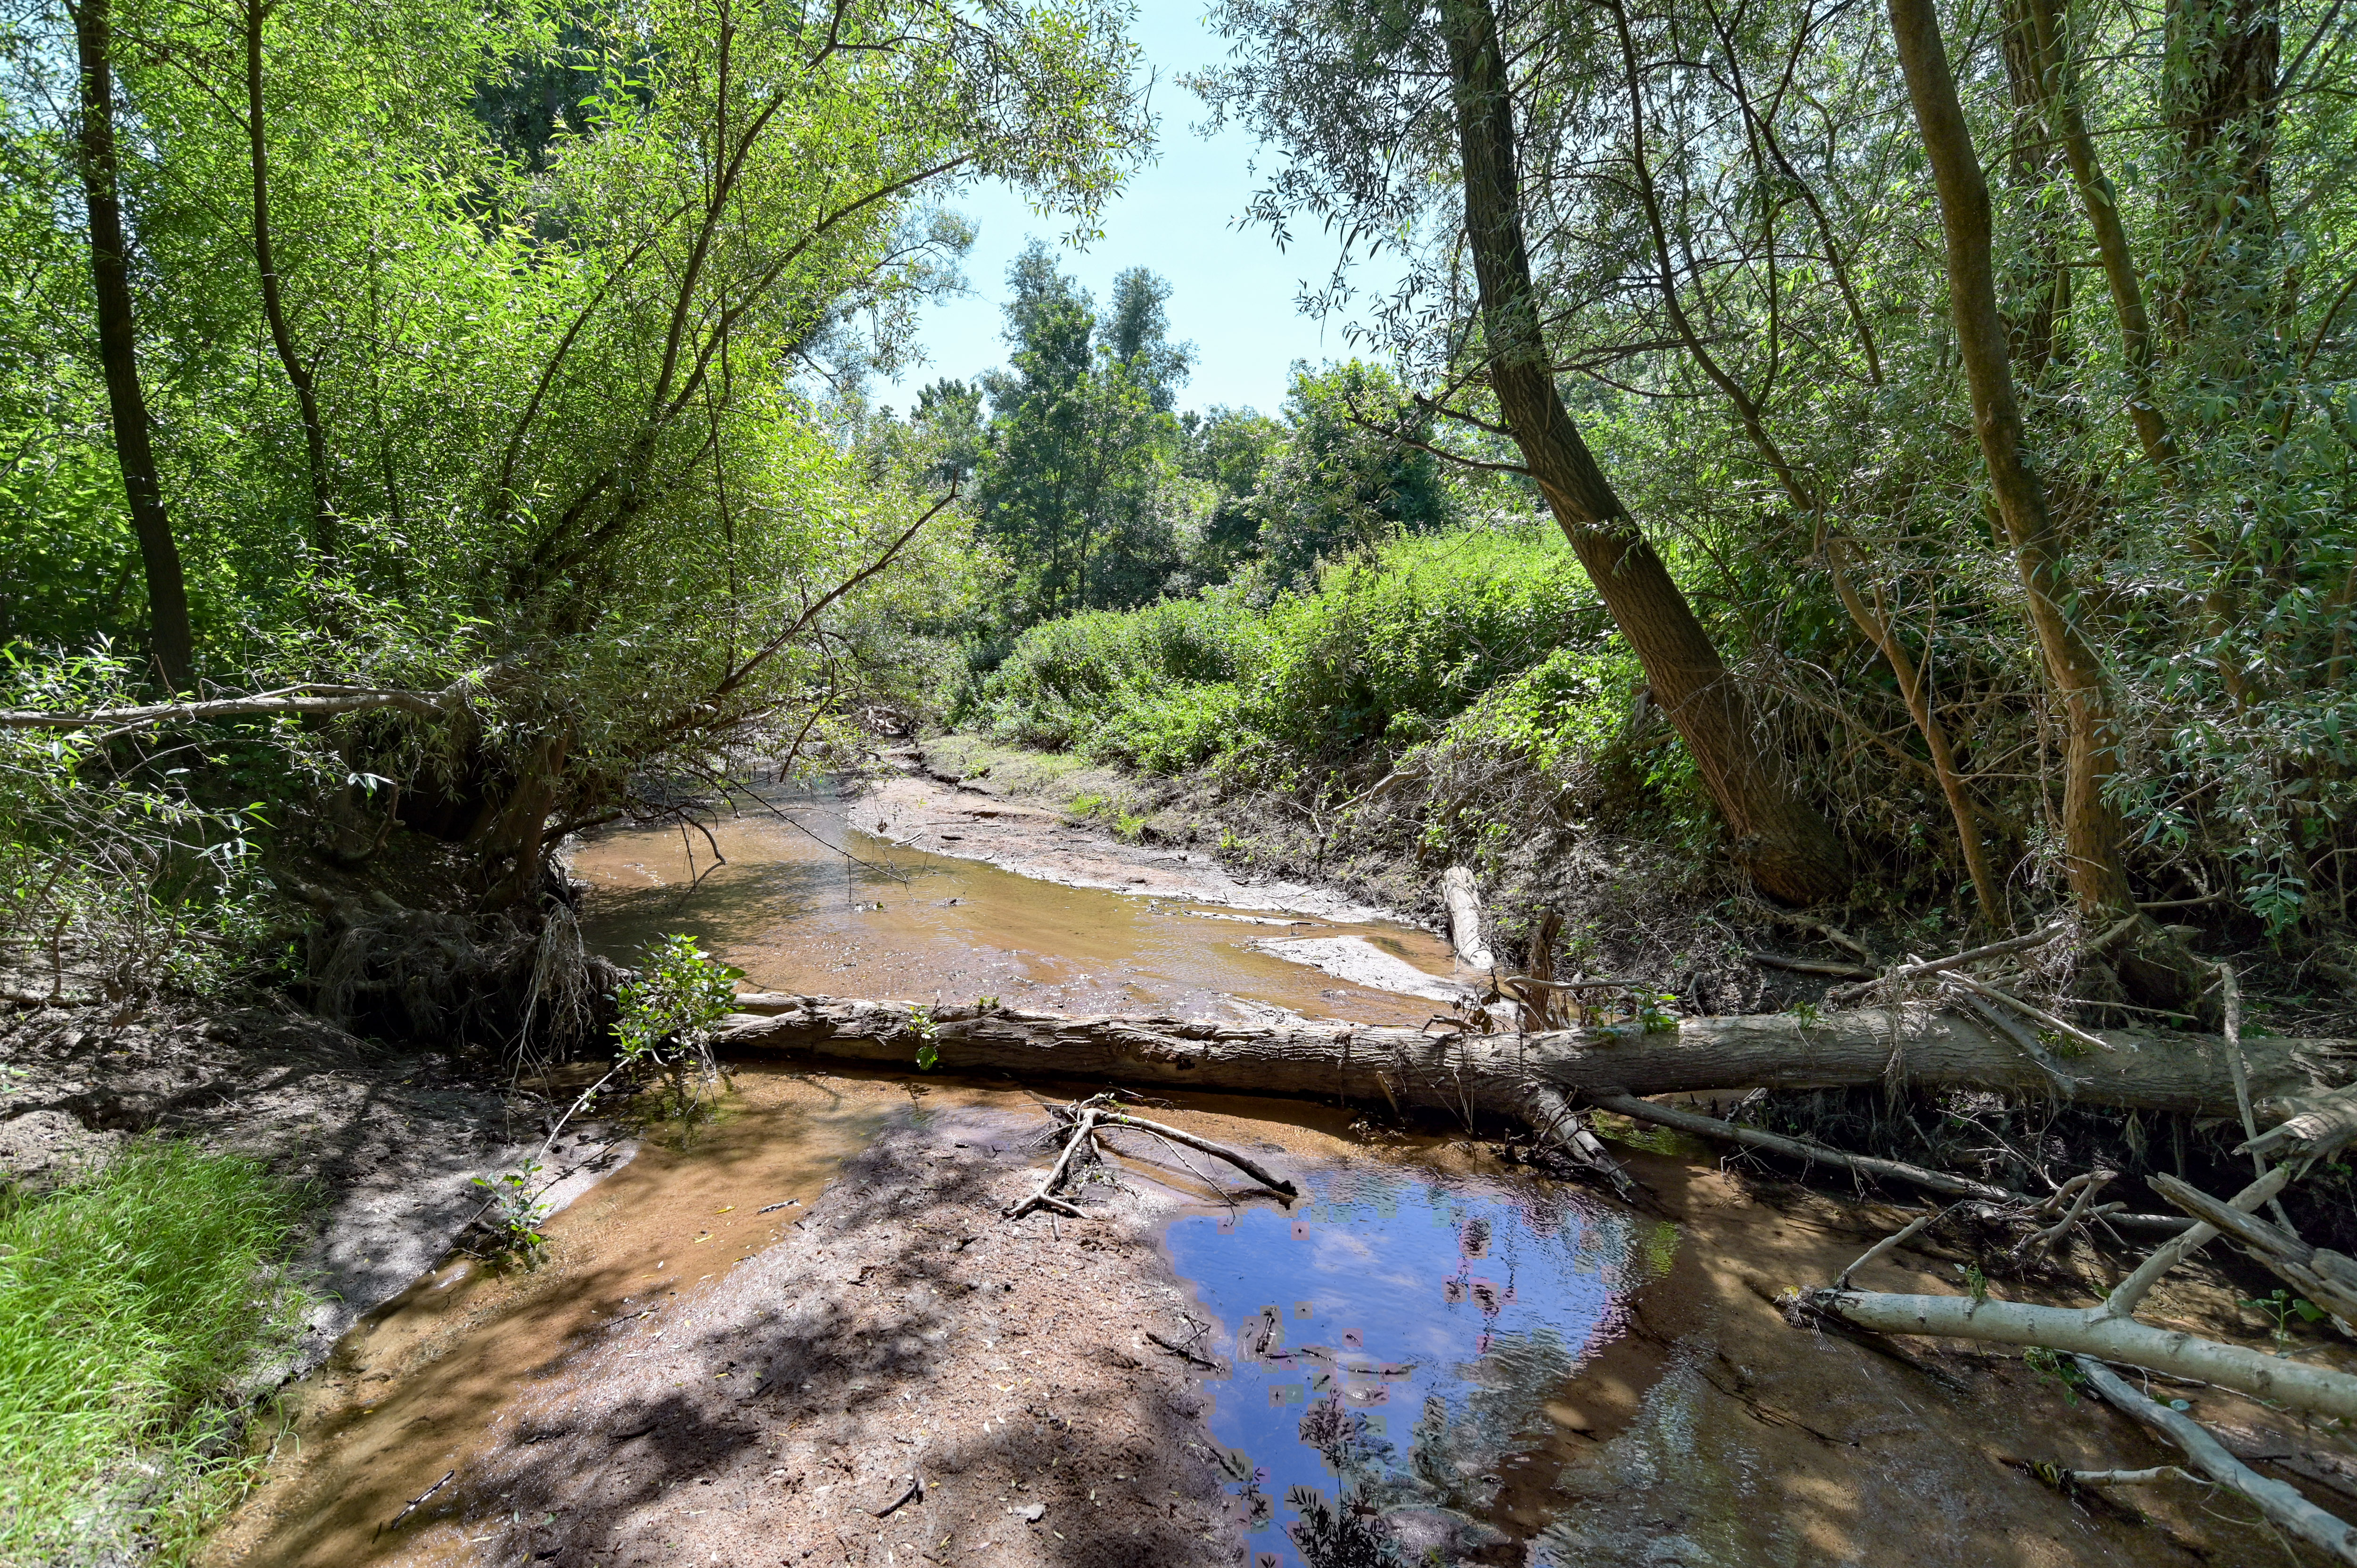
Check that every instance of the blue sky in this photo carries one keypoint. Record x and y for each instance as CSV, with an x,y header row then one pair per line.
x,y
1231,289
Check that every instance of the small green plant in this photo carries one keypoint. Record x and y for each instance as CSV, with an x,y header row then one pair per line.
x,y
1976,1282
2054,1366
921,1024
1654,1011
1808,1012
986,1004
511,1214
1128,826
667,1011
2280,1307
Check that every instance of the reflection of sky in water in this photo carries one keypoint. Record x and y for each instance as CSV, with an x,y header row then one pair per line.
x,y
1396,1337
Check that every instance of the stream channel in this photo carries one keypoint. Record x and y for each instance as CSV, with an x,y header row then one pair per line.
x,y
1430,1358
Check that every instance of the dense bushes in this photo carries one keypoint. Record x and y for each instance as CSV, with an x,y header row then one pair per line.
x,y
1494,628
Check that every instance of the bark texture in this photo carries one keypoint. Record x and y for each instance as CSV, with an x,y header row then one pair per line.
x,y
1789,849
1491,1076
172,642
2091,827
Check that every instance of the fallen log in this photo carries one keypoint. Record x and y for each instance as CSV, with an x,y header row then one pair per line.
x,y
1472,1076
2278,1501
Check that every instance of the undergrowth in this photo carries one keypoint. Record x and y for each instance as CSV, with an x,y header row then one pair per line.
x,y
131,1301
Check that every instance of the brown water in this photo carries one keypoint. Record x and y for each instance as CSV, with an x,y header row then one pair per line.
x,y
452,1369
798,913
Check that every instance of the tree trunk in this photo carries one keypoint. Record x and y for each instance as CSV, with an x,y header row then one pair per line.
x,y
1789,849
2219,93
2057,82
274,306
2154,968
171,641
1494,1075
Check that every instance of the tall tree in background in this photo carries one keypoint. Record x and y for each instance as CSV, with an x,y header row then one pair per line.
x,y
1076,487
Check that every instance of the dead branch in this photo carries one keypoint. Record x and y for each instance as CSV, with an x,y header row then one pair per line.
x,y
2108,1329
2277,1499
1889,1244
1235,1157
1839,970
2327,1278
1465,933
313,700
2316,1126
1076,1138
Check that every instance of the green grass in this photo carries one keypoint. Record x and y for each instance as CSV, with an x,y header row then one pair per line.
x,y
129,1300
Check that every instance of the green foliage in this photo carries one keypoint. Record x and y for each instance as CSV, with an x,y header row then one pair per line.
x,y
130,1302
2280,1307
555,409
2055,1368
921,1024
1476,631
110,866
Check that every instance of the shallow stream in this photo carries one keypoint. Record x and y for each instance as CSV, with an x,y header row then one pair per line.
x,y
1497,1369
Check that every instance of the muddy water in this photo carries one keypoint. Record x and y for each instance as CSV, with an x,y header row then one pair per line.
x,y
452,1371
803,902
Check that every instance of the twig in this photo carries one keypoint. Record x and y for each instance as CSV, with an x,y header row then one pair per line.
x,y
2135,1477
2233,992
915,1489
2277,1499
1993,949
420,1498
2091,1184
1182,1351
1889,1243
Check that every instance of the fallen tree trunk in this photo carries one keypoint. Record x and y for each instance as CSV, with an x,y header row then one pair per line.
x,y
1472,1076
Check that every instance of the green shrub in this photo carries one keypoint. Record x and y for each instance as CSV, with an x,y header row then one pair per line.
x,y
1494,626
130,1300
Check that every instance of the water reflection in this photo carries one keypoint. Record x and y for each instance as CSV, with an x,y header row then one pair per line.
x,y
796,912
1391,1348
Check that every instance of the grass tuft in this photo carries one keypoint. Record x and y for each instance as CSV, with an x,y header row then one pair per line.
x,y
130,1301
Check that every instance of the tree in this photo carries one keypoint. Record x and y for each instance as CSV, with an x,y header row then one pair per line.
x,y
1346,93
172,641
1341,480
1077,487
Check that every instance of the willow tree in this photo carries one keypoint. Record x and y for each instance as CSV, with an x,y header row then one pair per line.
x,y
1403,116
559,423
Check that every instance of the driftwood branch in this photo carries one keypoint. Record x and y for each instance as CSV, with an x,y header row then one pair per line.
x,y
2107,1330
1235,1157
1089,1120
2279,1501
2088,1331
